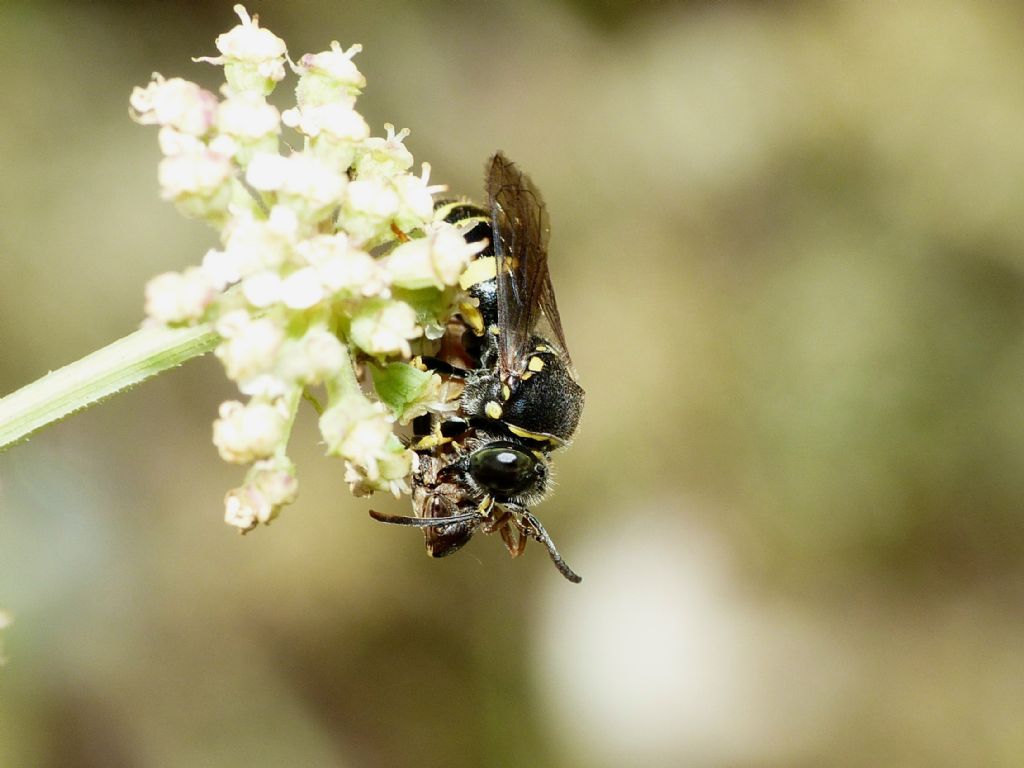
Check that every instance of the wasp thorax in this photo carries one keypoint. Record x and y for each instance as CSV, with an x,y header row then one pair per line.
x,y
505,469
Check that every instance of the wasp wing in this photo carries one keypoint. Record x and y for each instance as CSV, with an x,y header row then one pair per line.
x,y
519,221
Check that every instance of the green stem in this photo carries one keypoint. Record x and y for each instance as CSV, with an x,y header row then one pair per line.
x,y
105,372
291,400
345,383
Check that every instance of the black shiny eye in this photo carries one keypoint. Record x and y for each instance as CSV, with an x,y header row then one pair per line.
x,y
504,469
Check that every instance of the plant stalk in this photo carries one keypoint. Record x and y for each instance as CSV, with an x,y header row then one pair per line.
x,y
116,367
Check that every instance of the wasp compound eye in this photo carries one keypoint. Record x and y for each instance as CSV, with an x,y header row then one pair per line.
x,y
505,470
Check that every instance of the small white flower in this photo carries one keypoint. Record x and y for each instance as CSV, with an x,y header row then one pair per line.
x,y
342,268
302,289
336,64
355,273
317,356
308,185
275,480
177,297
262,289
283,222
360,485
254,245
361,431
193,173
248,116
267,172
248,42
222,268
436,260
382,327
174,103
240,151
384,156
416,199
247,507
329,77
370,207
244,433
198,181
174,142
253,58
338,121
249,346
266,386
316,250
233,323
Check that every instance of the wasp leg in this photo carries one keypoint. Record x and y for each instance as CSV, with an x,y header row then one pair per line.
x,y
429,432
515,540
424,522
440,366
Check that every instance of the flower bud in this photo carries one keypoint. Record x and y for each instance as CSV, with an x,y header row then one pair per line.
x,y
198,181
244,507
302,289
329,77
436,260
315,357
384,156
358,430
249,347
381,328
251,122
178,297
308,186
369,208
174,103
253,58
244,433
415,199
275,480
342,268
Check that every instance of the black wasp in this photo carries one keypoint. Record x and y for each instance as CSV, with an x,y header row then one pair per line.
x,y
483,465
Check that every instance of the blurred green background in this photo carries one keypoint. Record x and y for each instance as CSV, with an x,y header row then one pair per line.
x,y
789,254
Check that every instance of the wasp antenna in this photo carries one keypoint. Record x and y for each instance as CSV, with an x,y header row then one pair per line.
x,y
424,522
542,536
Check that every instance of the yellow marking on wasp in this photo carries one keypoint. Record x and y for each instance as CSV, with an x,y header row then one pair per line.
x,y
542,348
506,393
526,376
536,364
430,441
471,314
494,330
493,410
520,432
479,270
447,208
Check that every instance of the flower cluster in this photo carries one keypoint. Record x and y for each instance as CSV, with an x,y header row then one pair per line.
x,y
331,268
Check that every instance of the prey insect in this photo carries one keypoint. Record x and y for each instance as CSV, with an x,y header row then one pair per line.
x,y
483,466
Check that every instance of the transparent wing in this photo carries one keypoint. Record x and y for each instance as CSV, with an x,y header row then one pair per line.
x,y
521,229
